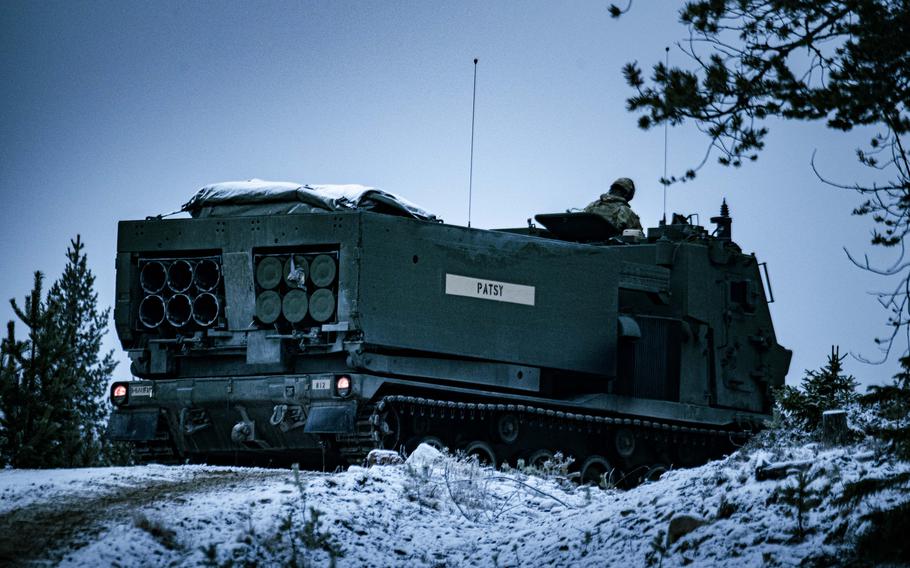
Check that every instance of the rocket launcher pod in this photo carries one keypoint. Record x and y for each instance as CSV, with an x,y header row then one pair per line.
x,y
268,306
322,270
294,306
296,270
179,310
151,311
322,305
153,277
207,275
268,272
180,276
205,309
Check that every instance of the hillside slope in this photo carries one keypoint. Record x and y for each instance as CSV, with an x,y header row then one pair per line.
x,y
441,511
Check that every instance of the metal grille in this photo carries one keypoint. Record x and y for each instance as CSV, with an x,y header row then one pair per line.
x,y
649,366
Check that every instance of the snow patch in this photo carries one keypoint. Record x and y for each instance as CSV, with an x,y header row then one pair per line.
x,y
436,509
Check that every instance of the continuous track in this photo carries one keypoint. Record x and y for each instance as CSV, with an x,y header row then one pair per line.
x,y
500,433
497,433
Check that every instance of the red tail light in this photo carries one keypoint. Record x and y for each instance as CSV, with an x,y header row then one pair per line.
x,y
118,394
343,386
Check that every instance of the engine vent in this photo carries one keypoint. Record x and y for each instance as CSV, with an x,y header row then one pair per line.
x,y
649,366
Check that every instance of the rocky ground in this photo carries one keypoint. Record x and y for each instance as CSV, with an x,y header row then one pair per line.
x,y
439,510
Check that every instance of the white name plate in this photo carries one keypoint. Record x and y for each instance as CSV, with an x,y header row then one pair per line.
x,y
489,290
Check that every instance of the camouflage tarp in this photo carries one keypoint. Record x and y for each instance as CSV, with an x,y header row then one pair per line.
x,y
258,197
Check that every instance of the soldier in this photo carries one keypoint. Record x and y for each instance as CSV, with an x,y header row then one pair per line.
x,y
614,206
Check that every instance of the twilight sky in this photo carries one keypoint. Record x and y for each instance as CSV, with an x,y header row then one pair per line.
x,y
118,110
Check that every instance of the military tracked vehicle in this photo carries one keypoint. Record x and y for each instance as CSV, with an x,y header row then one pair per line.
x,y
310,324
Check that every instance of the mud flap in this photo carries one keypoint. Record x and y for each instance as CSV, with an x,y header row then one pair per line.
x,y
330,420
133,426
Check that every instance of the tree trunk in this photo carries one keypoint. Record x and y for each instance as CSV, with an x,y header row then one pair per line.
x,y
834,427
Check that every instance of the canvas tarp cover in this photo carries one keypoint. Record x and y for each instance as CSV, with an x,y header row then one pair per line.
x,y
258,197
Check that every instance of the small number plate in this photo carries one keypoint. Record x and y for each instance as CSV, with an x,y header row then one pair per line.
x,y
141,390
322,384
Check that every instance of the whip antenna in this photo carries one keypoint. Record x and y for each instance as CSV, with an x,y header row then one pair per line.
x,y
471,175
666,182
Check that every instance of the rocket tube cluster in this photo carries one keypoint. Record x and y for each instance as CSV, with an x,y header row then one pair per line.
x,y
180,292
295,288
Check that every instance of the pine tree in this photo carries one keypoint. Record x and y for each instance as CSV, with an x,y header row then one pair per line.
x,y
10,399
52,384
824,389
84,370
892,405
30,407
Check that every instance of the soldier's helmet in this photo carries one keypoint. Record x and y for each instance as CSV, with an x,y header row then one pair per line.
x,y
623,187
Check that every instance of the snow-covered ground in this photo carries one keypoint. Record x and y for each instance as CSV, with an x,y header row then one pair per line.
x,y
440,511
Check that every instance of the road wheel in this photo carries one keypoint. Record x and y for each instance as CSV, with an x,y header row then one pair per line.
x,y
433,442
625,442
483,451
596,470
389,429
538,458
654,472
420,424
507,428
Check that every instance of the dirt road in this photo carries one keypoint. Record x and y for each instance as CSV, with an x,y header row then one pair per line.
x,y
44,531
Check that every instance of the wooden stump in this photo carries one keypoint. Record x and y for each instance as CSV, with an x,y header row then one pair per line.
x,y
834,427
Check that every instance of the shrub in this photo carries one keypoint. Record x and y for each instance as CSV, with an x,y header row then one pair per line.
x,y
821,390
